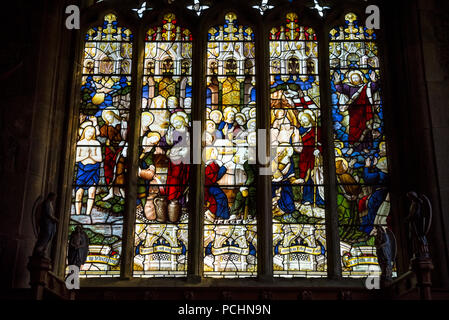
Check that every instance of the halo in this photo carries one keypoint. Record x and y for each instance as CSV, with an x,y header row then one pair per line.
x,y
252,113
220,116
85,124
309,112
179,114
382,164
110,109
251,135
241,115
246,111
250,121
349,74
340,169
229,109
338,152
148,115
210,121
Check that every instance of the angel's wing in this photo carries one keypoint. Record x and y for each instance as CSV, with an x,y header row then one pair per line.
x,y
393,244
427,213
36,214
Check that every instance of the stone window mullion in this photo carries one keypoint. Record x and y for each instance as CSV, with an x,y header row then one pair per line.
x,y
133,152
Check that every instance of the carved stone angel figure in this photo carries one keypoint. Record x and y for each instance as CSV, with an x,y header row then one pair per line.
x,y
78,247
386,252
420,221
45,218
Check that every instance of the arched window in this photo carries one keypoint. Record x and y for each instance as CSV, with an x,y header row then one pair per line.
x,y
313,82
299,237
102,145
363,199
161,240
230,222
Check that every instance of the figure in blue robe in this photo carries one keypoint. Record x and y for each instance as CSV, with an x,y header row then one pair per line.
x,y
376,177
214,196
286,201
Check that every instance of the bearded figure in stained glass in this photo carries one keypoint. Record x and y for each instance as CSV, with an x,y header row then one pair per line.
x,y
356,101
177,137
215,199
310,159
148,161
114,130
173,105
228,127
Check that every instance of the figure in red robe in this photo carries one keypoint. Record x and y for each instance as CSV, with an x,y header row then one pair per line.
x,y
177,181
309,171
115,131
359,104
215,199
178,168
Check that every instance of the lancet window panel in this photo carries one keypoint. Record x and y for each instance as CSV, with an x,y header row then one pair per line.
x,y
162,211
98,192
361,162
230,225
298,201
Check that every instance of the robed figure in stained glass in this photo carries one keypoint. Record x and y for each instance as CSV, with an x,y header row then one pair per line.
x,y
228,127
115,150
310,159
215,199
150,157
286,136
177,137
374,173
358,99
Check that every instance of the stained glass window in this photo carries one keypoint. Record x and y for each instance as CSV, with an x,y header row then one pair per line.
x,y
230,240
101,147
161,239
159,219
360,149
299,238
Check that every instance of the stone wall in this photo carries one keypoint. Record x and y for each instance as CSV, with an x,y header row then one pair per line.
x,y
418,86
434,22
33,85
